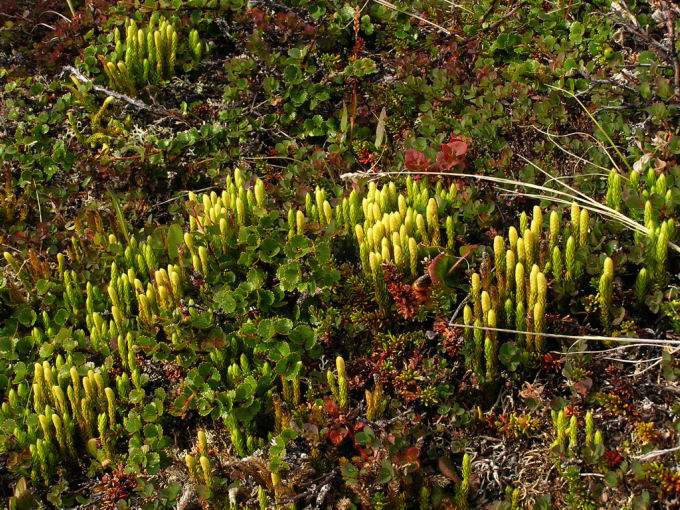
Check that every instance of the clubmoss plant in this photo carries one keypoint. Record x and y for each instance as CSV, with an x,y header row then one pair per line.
x,y
146,55
196,46
491,347
376,402
641,285
661,256
463,488
18,270
561,426
518,290
606,286
614,190
43,461
343,390
207,469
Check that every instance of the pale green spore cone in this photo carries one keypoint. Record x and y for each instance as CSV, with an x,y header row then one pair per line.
x,y
605,288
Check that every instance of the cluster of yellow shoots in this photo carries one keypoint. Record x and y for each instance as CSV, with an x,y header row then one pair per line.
x,y
200,466
391,226
513,293
222,216
141,291
387,226
146,55
567,433
376,402
71,409
651,187
134,299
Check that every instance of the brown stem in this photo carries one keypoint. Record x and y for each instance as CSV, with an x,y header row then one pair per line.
x,y
670,25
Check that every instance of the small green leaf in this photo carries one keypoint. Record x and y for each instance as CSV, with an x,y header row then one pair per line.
x,y
136,396
61,316
43,286
283,326
612,478
46,350
246,389
175,238
266,329
442,270
24,345
26,315
246,413
133,423
289,275
298,246
510,355
20,372
152,431
576,32
292,74
380,129
150,412
302,335
255,278
203,320
265,298
224,300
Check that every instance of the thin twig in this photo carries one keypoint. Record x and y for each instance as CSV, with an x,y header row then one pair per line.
x,y
599,126
655,364
161,112
389,5
458,309
461,7
640,34
633,66
177,198
55,13
619,108
493,25
658,453
586,91
313,490
595,338
632,361
566,151
612,83
603,351
8,247
646,369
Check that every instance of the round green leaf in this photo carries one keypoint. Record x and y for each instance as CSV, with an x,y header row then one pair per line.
x,y
26,315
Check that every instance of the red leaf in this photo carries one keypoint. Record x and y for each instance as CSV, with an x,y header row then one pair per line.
x,y
331,407
415,161
337,435
412,454
452,154
583,386
459,139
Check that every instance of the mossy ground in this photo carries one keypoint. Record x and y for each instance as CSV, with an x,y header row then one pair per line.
x,y
165,295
